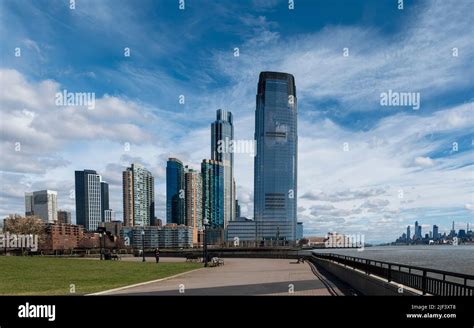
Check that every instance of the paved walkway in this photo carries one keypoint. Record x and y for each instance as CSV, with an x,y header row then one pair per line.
x,y
243,277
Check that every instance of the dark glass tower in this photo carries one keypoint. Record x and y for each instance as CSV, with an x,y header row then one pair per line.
x,y
175,187
88,199
222,136
276,161
104,199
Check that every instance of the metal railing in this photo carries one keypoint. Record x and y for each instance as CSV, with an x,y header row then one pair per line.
x,y
428,281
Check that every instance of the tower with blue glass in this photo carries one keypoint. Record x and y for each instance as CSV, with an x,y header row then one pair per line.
x,y
276,160
222,136
175,191
212,173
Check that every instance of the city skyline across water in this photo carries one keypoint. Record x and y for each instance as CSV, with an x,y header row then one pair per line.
x,y
441,257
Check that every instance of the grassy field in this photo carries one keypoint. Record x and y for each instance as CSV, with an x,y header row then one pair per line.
x,y
53,276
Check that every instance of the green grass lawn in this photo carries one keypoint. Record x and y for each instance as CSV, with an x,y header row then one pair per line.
x,y
53,276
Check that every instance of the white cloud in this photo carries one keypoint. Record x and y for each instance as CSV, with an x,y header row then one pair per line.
x,y
424,161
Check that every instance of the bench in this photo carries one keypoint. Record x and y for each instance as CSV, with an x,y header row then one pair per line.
x,y
192,258
215,261
111,256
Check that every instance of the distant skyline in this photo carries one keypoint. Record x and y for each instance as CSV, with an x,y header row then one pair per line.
x,y
138,117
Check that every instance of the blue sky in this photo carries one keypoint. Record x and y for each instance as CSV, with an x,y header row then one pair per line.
x,y
191,52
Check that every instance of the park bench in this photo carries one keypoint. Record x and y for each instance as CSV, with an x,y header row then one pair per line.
x,y
192,258
215,261
111,256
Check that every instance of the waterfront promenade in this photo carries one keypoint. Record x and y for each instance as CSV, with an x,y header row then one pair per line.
x,y
242,276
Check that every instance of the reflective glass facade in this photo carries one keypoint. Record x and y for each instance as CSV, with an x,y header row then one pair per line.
x,y
212,173
222,136
275,166
42,204
88,199
104,189
175,212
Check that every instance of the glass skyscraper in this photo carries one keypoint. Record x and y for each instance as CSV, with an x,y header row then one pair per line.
x,y
212,173
88,199
175,212
104,191
222,136
436,232
43,204
276,160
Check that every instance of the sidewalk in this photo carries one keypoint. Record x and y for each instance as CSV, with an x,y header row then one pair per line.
x,y
241,277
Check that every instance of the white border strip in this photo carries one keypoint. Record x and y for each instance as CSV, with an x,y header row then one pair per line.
x,y
142,283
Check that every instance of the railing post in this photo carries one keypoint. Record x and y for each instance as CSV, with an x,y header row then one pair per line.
x,y
367,267
389,276
423,283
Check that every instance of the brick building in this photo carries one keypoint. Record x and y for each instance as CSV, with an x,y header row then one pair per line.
x,y
60,236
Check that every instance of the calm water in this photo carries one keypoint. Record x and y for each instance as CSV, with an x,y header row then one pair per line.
x,y
449,258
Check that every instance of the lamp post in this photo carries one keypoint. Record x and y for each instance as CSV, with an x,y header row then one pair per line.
x,y
206,223
143,244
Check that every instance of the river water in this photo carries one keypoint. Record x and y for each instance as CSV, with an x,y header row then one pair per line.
x,y
442,257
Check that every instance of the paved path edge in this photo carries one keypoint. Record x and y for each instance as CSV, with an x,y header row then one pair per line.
x,y
142,283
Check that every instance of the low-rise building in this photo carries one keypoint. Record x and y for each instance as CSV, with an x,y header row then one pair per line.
x,y
175,236
60,236
145,236
113,227
242,228
168,236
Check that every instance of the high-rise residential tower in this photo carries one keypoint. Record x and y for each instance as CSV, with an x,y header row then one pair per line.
x,y
138,196
212,173
88,199
276,160
43,204
222,137
193,201
175,191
